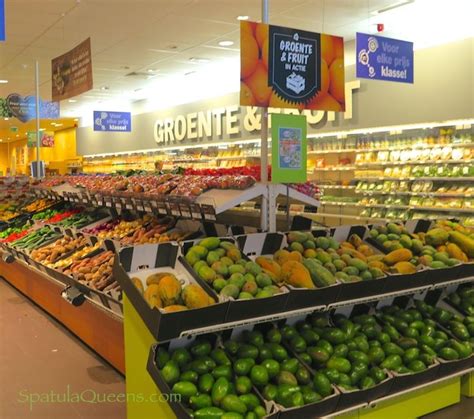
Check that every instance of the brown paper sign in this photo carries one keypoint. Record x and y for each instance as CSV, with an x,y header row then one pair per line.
x,y
72,72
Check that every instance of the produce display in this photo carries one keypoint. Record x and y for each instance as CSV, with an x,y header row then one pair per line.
x,y
81,219
463,299
163,290
153,233
445,244
49,254
38,205
35,238
95,272
79,254
8,211
221,264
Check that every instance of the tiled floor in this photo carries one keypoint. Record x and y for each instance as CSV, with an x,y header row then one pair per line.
x,y
40,359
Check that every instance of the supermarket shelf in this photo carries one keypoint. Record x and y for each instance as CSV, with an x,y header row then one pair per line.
x,y
444,179
347,150
295,195
434,209
341,204
430,194
333,168
349,217
336,187
415,163
388,206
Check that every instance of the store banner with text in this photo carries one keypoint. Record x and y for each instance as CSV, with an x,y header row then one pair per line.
x,y
72,72
24,108
46,139
2,21
290,68
112,121
382,58
288,148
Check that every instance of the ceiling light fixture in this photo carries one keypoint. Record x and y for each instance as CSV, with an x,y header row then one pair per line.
x,y
242,17
393,6
76,119
72,100
199,60
42,129
3,81
59,125
104,88
226,43
189,73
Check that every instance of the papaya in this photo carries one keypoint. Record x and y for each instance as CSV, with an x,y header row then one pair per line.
x,y
348,245
297,256
269,265
297,236
195,297
169,290
377,264
355,240
374,258
465,243
174,308
152,296
436,237
156,277
404,268
138,283
294,273
441,248
365,250
320,276
281,256
399,255
455,252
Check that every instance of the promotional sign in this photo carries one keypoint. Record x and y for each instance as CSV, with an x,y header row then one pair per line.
x,y
24,108
46,139
288,148
2,20
72,72
112,121
382,58
290,68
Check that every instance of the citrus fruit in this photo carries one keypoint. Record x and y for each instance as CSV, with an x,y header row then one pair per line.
x,y
327,48
336,73
246,95
265,52
338,46
248,55
247,27
258,84
261,33
324,77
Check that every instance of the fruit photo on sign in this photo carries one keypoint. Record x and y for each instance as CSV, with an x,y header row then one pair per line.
x,y
255,88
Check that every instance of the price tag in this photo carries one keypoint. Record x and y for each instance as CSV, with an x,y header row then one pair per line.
x,y
147,206
185,210
100,200
195,211
118,203
209,212
128,204
108,202
174,208
138,204
162,208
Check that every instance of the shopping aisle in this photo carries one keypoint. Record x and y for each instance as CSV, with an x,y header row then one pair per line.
x,y
40,359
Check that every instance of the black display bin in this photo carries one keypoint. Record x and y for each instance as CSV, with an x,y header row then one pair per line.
x,y
300,298
451,367
241,309
394,283
403,382
163,326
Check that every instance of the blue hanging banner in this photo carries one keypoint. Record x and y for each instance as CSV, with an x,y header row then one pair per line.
x,y
2,20
112,121
382,58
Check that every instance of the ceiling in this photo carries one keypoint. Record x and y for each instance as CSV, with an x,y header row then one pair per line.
x,y
157,38
11,129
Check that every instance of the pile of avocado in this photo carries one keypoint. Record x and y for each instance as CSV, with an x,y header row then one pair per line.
x,y
463,299
221,264
208,383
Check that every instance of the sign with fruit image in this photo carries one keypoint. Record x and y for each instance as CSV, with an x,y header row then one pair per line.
x,y
288,148
289,68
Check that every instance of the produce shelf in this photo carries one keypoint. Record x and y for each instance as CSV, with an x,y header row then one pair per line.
x,y
444,179
415,163
429,194
337,187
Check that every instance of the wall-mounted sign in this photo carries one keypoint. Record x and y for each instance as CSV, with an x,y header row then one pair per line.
x,y
46,139
112,121
382,58
72,72
288,148
290,68
24,108
2,20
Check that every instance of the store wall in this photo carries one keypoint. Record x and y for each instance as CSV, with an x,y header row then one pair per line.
x,y
443,90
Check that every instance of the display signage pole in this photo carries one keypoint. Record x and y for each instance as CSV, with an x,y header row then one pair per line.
x,y
264,145
38,133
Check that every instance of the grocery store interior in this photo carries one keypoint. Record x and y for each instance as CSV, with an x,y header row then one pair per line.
x,y
237,209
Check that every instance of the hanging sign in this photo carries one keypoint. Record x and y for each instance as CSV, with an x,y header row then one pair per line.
x,y
290,68
46,139
112,121
24,108
2,20
382,58
72,72
288,148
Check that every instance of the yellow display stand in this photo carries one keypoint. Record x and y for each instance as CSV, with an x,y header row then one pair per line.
x,y
142,400
467,385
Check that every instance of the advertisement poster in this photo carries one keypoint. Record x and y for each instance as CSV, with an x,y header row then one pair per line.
x,y
46,140
381,58
290,68
72,72
288,148
112,121
24,108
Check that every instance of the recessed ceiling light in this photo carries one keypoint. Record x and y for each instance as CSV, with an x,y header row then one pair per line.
x,y
150,70
59,125
189,73
137,90
41,129
3,81
199,60
242,17
72,100
226,43
104,88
